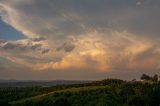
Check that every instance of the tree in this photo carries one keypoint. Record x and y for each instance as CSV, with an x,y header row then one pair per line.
x,y
145,77
155,77
137,100
61,101
155,97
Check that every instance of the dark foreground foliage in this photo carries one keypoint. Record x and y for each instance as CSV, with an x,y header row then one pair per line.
x,y
110,92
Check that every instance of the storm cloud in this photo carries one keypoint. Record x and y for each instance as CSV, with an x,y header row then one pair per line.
x,y
22,46
107,36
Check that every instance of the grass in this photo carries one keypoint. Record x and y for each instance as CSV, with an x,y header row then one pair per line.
x,y
68,90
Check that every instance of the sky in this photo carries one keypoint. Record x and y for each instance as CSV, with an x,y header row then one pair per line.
x,y
79,39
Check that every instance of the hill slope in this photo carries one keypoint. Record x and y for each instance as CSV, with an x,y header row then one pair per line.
x,y
109,92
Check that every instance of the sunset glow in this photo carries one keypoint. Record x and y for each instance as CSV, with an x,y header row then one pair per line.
x,y
60,39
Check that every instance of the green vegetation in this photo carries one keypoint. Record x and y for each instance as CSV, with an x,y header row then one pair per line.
x,y
109,92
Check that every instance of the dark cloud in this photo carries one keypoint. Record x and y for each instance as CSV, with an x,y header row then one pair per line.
x,y
36,47
67,47
44,51
20,47
11,46
38,39
52,22
59,18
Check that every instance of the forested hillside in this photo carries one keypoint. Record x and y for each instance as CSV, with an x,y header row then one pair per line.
x,y
108,92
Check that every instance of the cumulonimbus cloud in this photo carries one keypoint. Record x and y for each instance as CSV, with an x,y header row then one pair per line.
x,y
90,34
